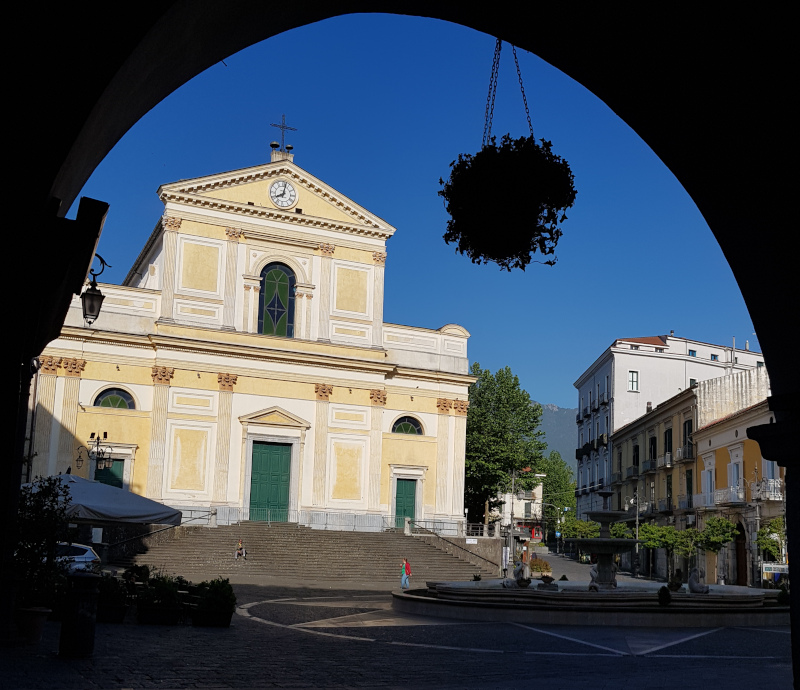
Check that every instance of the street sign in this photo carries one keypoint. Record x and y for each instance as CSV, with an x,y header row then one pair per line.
x,y
558,534
769,568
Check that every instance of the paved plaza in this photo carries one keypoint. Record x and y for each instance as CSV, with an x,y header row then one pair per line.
x,y
329,636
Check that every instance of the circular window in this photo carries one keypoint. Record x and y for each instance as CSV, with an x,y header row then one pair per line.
x,y
407,425
115,397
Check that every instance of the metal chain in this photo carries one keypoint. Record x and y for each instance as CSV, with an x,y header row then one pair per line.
x,y
489,115
522,88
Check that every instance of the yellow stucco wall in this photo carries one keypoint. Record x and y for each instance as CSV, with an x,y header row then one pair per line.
x,y
403,449
199,266
348,461
189,454
351,290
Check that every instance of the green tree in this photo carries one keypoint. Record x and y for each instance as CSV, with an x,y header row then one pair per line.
x,y
771,538
621,530
41,524
718,532
558,490
502,437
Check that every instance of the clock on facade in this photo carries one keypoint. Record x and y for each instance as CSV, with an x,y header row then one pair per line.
x,y
282,193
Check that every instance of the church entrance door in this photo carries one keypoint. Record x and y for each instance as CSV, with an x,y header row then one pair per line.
x,y
405,499
111,475
269,482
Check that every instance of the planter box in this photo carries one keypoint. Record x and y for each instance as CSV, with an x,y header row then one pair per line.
x,y
212,619
158,615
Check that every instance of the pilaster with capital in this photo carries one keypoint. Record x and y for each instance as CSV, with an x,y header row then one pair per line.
x,y
67,441
223,449
170,240
327,251
443,477
459,450
45,406
231,259
377,299
323,393
375,449
158,439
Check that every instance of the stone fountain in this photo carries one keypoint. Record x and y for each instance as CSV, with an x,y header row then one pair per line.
x,y
605,547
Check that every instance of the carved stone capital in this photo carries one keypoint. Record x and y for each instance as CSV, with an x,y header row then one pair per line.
x,y
49,365
323,391
162,375
73,367
444,405
227,381
461,406
379,258
171,223
377,396
234,233
327,249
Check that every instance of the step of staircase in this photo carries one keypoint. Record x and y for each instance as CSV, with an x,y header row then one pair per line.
x,y
290,550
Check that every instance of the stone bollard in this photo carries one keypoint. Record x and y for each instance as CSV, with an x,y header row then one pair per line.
x,y
80,615
407,526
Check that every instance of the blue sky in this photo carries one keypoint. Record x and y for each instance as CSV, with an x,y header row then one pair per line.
x,y
382,105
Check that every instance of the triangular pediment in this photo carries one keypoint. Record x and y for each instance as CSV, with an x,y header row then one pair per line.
x,y
247,192
275,416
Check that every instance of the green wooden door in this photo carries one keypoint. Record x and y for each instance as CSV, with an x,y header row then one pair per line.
x,y
269,482
111,475
405,500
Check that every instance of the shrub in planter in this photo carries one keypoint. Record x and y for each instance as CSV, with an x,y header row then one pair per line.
x,y
539,565
159,603
112,599
506,202
216,603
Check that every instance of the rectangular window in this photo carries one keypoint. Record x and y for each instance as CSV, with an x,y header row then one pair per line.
x,y
687,431
634,347
636,456
669,491
633,380
692,353
759,364
769,469
668,441
715,358
692,383
606,383
659,349
653,449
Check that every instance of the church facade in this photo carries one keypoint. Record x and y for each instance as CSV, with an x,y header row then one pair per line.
x,y
243,369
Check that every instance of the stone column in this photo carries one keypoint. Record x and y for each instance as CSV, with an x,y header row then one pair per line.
x,y
323,392
222,459
67,442
442,446
459,448
170,240
378,399
231,256
377,299
158,431
45,406
327,251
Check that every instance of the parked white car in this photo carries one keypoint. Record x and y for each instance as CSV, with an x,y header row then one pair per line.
x,y
77,556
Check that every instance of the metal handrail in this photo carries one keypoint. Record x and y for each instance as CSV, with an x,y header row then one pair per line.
x,y
471,553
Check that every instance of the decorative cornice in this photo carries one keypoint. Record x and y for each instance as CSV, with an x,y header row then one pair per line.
x,y
49,365
234,233
162,375
461,406
171,223
227,381
323,391
326,249
379,258
444,405
377,396
73,367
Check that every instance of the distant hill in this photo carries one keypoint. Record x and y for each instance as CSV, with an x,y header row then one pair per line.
x,y
558,424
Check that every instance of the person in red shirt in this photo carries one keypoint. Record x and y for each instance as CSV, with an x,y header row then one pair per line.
x,y
405,574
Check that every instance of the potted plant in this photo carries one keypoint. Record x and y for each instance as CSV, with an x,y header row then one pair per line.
x,y
540,568
507,201
159,603
112,600
216,603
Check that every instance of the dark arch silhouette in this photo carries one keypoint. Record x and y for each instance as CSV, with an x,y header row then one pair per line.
x,y
708,90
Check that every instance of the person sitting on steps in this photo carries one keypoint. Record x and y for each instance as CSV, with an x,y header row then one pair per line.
x,y
240,551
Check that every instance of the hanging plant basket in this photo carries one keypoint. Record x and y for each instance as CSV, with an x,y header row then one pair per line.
x,y
507,201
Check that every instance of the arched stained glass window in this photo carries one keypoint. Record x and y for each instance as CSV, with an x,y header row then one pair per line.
x,y
276,308
407,425
115,397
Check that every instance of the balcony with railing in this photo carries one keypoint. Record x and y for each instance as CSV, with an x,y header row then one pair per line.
x,y
578,418
703,500
665,505
595,404
730,494
604,398
649,465
664,460
586,412
685,502
768,490
616,477
632,471
684,453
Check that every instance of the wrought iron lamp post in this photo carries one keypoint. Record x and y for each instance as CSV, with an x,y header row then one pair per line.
x,y
95,451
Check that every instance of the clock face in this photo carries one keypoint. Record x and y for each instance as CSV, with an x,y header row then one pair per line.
x,y
282,193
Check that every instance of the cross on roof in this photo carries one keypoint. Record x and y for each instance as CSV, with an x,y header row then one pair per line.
x,y
283,127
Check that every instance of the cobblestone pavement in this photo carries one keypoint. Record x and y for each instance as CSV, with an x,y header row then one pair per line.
x,y
326,636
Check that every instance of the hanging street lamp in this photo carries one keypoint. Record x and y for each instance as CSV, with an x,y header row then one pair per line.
x,y
92,298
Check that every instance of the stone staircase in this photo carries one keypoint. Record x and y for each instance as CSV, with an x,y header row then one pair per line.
x,y
290,550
